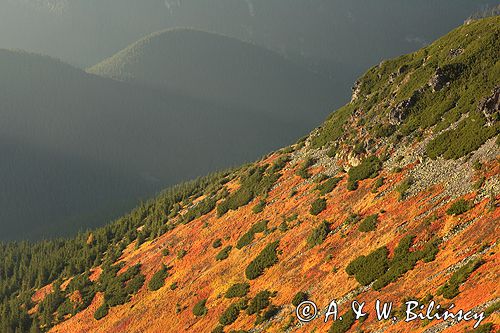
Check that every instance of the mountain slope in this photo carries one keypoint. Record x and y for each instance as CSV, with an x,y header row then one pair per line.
x,y
49,194
155,138
223,70
397,214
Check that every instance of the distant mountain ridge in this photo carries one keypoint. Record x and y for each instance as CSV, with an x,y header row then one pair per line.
x,y
155,136
323,34
223,70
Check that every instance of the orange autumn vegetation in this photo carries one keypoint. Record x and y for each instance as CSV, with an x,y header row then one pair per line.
x,y
401,157
320,271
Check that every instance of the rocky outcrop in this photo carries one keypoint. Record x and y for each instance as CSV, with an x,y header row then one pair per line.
x,y
456,52
353,159
356,91
444,76
490,107
438,80
401,110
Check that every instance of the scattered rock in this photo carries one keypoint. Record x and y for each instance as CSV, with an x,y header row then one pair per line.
x,y
438,80
400,71
490,106
392,77
456,52
353,159
356,91
401,110
444,76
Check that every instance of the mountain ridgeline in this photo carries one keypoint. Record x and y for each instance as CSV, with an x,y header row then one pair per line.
x,y
225,71
138,136
395,197
331,36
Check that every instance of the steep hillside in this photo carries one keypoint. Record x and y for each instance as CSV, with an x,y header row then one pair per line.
x,y
395,197
150,139
226,71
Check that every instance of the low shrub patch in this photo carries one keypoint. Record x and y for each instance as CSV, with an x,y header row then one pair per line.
x,y
256,182
352,219
484,328
259,302
249,236
230,315
402,262
321,178
479,183
384,131
459,207
279,164
158,279
117,289
430,250
318,235
318,206
135,284
299,298
367,269
404,187
202,208
342,326
304,168
267,315
331,152
283,227
259,207
369,168
265,259
359,148
328,185
450,289
239,198
468,136
218,329
369,223
217,243
492,308
224,253
378,183
238,290
86,288
377,268
181,253
200,308
101,312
